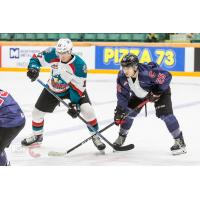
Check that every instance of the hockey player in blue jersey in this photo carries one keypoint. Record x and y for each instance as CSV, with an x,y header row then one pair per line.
x,y
12,121
68,81
137,82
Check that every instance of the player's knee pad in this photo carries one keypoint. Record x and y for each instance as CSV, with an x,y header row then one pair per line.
x,y
37,115
88,112
171,122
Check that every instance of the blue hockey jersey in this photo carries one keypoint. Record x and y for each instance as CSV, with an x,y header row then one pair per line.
x,y
10,113
150,78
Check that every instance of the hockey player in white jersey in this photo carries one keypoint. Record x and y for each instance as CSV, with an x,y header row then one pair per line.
x,y
68,81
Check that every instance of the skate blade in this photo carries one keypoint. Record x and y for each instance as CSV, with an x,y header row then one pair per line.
x,y
179,152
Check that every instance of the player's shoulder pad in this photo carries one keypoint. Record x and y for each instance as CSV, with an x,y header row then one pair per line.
x,y
145,68
142,66
153,65
121,76
80,67
50,55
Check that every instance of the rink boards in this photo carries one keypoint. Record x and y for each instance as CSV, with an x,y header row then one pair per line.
x,y
104,57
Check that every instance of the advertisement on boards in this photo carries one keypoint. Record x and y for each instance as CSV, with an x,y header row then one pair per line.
x,y
169,58
19,56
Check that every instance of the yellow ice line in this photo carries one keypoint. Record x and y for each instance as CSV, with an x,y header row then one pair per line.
x,y
98,71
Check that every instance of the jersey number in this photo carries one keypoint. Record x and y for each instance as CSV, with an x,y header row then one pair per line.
x,y
3,94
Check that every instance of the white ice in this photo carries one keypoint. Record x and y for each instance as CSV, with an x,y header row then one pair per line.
x,y
149,134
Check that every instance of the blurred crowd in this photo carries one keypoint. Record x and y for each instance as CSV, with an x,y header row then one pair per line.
x,y
127,37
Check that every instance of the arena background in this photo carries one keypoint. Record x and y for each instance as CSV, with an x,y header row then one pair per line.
x,y
142,16
178,53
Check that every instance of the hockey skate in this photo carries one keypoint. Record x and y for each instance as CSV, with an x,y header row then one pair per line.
x,y
120,140
33,140
179,146
98,144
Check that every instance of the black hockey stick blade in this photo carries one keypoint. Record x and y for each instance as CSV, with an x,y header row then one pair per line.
x,y
124,148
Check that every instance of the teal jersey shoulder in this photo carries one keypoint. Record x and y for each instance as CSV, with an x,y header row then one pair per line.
x,y
80,67
80,70
48,55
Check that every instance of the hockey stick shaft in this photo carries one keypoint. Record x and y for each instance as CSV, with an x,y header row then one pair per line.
x,y
53,153
81,118
89,138
105,128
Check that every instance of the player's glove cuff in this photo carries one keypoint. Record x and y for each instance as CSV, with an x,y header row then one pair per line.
x,y
119,116
33,73
74,110
153,97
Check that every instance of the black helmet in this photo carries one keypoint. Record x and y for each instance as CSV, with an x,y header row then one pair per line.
x,y
129,60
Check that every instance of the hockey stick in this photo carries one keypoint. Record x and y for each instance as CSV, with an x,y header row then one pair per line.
x,y
56,153
122,148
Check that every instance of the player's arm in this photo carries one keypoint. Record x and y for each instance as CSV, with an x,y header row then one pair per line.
x,y
3,95
34,65
121,109
78,86
161,79
122,95
76,81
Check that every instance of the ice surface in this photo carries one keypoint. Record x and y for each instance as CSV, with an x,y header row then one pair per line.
x,y
149,134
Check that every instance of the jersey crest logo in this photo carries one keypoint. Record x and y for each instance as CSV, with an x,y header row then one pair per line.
x,y
55,80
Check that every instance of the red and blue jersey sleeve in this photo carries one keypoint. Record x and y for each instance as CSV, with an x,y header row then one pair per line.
x,y
160,78
11,114
123,92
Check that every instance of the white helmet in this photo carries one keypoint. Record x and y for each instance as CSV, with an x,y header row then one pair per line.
x,y
64,45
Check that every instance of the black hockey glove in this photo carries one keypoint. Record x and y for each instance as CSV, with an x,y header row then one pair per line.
x,y
74,110
33,74
119,116
153,97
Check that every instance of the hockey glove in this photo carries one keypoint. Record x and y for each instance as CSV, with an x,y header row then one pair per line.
x,y
74,110
153,97
119,116
33,74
